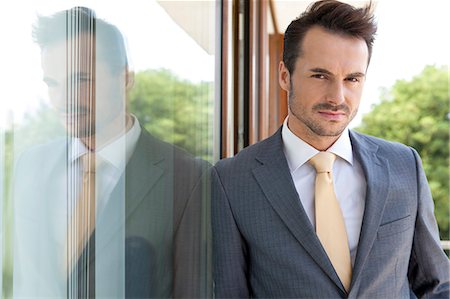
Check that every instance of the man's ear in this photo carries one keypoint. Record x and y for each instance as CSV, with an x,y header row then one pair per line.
x,y
284,77
129,79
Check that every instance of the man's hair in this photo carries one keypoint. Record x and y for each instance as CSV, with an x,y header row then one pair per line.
x,y
333,16
107,40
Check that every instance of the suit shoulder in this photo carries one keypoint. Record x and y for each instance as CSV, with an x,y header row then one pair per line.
x,y
40,153
180,158
383,143
392,148
247,156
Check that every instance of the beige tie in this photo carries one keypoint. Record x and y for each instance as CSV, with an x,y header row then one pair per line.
x,y
330,227
83,217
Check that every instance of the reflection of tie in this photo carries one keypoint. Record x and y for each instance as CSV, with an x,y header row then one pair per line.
x,y
81,227
330,227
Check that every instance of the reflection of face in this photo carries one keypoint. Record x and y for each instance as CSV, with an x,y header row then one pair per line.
x,y
326,86
84,90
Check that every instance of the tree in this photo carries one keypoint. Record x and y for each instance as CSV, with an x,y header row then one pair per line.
x,y
416,113
175,110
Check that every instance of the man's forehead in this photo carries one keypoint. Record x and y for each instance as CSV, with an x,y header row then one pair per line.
x,y
324,47
84,51
82,41
69,53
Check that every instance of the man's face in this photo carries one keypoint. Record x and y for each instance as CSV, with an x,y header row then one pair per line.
x,y
326,85
84,91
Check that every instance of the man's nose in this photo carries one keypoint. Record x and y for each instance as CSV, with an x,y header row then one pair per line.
x,y
336,93
65,100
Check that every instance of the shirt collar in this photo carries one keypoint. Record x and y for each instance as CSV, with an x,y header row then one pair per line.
x,y
298,152
113,152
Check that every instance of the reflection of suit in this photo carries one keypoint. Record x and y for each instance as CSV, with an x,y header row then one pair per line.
x,y
265,245
155,240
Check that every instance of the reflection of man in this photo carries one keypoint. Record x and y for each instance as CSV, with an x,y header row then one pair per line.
x,y
281,230
147,234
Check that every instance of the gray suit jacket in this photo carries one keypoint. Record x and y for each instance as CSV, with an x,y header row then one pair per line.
x,y
151,239
264,245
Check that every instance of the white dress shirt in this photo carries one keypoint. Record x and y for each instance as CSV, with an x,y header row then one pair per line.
x,y
348,176
111,161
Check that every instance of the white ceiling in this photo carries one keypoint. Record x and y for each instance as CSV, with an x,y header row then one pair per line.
x,y
197,18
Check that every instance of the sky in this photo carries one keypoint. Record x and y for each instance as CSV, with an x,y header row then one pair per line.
x,y
411,34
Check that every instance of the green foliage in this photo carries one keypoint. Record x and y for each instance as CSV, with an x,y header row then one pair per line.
x,y
416,113
6,158
175,110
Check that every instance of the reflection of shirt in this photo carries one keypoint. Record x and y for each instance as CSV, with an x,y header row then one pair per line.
x,y
348,176
42,210
111,161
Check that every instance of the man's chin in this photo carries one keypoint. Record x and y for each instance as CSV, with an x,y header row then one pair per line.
x,y
329,129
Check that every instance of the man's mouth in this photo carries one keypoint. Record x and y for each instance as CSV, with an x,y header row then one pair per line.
x,y
75,117
332,112
332,115
67,111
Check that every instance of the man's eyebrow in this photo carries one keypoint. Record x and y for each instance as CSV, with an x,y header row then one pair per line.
x,y
320,70
327,72
356,74
81,73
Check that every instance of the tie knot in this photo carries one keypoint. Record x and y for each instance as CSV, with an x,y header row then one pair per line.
x,y
323,162
88,162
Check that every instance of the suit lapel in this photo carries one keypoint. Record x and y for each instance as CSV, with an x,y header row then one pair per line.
x,y
376,171
275,180
143,170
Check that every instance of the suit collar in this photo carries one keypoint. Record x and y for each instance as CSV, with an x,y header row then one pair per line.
x,y
275,180
117,152
298,152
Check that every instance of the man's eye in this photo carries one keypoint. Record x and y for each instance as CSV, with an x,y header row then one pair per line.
x,y
84,79
319,76
353,79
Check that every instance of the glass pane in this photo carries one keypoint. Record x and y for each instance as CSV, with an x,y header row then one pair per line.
x,y
107,135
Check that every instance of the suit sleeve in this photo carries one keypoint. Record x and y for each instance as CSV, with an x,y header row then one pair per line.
x,y
429,268
229,254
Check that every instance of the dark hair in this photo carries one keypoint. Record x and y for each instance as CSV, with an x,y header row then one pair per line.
x,y
334,16
106,39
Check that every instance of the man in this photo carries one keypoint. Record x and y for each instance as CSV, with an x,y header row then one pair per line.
x,y
108,211
280,228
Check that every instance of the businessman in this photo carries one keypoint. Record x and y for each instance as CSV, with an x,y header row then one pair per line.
x,y
318,210
108,211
